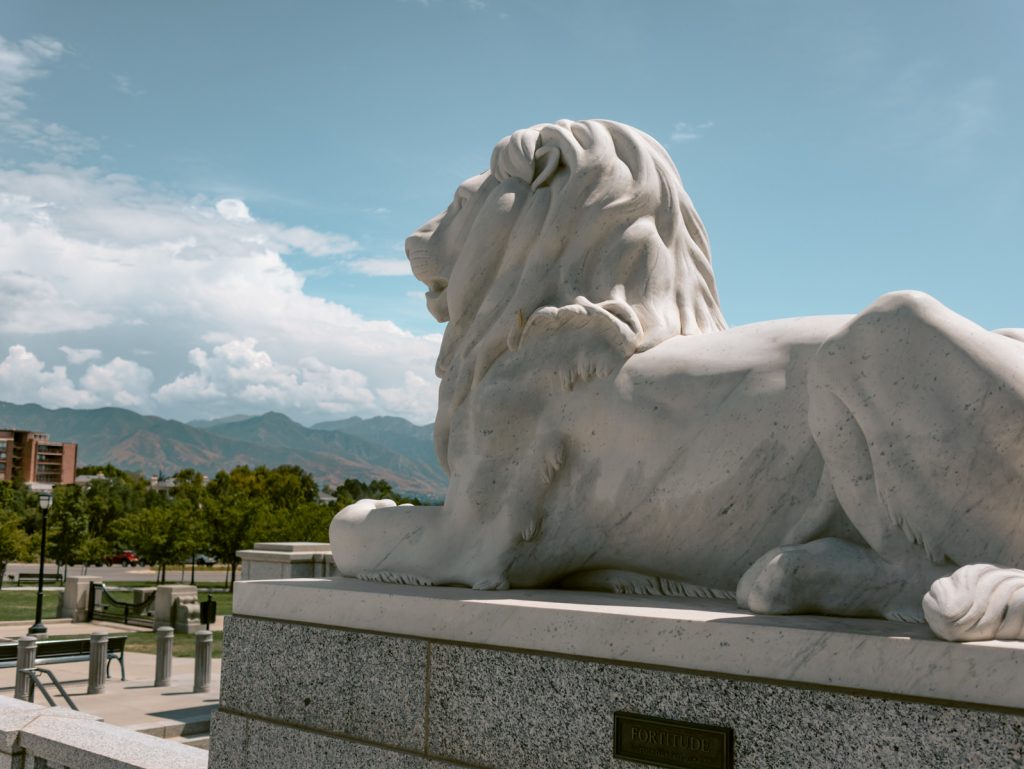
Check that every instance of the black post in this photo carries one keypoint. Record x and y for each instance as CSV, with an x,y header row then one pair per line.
x,y
39,628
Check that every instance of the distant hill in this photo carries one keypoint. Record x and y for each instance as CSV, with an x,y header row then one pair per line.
x,y
151,445
395,433
202,424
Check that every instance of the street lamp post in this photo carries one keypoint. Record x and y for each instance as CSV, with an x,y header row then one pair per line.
x,y
39,628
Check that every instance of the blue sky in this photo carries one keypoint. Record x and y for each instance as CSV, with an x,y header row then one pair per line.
x,y
202,204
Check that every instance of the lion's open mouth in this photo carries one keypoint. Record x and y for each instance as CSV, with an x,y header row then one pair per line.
x,y
437,301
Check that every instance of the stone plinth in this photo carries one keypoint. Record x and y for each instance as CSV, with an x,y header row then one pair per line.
x,y
167,596
74,601
339,672
286,560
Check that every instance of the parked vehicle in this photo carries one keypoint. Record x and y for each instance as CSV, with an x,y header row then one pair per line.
x,y
125,558
201,559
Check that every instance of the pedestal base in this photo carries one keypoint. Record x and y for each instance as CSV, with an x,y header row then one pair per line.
x,y
324,673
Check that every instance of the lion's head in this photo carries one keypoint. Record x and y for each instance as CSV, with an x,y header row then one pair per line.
x,y
591,209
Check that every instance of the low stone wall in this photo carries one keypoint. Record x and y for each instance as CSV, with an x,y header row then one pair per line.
x,y
32,734
341,673
286,560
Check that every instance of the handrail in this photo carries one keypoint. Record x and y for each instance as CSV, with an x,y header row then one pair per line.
x,y
31,672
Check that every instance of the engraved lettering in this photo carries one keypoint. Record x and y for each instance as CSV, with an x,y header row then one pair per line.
x,y
667,743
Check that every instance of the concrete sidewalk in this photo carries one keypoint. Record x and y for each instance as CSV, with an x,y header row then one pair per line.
x,y
168,711
57,627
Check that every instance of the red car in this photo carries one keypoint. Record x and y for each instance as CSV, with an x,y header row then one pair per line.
x,y
125,558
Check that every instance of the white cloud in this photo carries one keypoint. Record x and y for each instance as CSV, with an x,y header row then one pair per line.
x,y
120,382
93,261
416,395
239,371
381,267
125,86
233,210
124,267
685,132
24,379
20,62
76,356
317,243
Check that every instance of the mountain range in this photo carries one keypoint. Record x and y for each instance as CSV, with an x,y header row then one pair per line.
x,y
389,448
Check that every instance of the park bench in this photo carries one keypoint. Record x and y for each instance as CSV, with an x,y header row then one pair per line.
x,y
34,578
65,650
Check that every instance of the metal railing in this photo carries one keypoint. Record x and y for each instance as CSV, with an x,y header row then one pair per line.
x,y
104,606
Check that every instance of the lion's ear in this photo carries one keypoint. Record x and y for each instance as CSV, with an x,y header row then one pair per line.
x,y
520,156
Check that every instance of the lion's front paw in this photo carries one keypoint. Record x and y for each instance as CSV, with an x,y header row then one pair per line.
x,y
580,341
357,511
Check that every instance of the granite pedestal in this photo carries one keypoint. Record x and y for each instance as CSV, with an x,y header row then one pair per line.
x,y
342,673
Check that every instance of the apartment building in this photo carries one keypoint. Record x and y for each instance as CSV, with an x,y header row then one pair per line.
x,y
33,458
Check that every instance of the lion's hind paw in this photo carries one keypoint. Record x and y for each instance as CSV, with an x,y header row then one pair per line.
x,y
979,602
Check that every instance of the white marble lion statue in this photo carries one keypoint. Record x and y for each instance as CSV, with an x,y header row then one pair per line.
x,y
603,429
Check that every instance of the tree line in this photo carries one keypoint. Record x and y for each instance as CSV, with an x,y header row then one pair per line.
x,y
121,510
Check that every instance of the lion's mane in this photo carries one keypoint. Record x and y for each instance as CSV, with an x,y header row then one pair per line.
x,y
592,209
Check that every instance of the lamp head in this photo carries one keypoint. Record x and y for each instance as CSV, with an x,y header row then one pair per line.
x,y
45,500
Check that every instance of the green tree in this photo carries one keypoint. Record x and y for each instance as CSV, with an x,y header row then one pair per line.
x,y
67,525
352,490
161,534
19,518
14,542
236,504
250,505
92,551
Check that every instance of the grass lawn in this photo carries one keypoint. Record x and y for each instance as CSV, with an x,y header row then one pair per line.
x,y
184,644
21,604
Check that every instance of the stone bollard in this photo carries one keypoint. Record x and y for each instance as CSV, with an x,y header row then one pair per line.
x,y
97,662
26,659
204,660
164,652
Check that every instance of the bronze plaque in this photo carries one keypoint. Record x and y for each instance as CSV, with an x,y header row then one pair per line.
x,y
675,744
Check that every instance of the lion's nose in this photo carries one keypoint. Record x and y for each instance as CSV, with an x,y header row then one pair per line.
x,y
419,239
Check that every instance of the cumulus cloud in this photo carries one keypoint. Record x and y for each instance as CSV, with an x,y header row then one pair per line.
x,y
24,378
120,382
100,268
112,261
413,396
233,210
239,370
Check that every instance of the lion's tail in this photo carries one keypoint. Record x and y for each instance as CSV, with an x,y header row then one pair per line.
x,y
979,602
